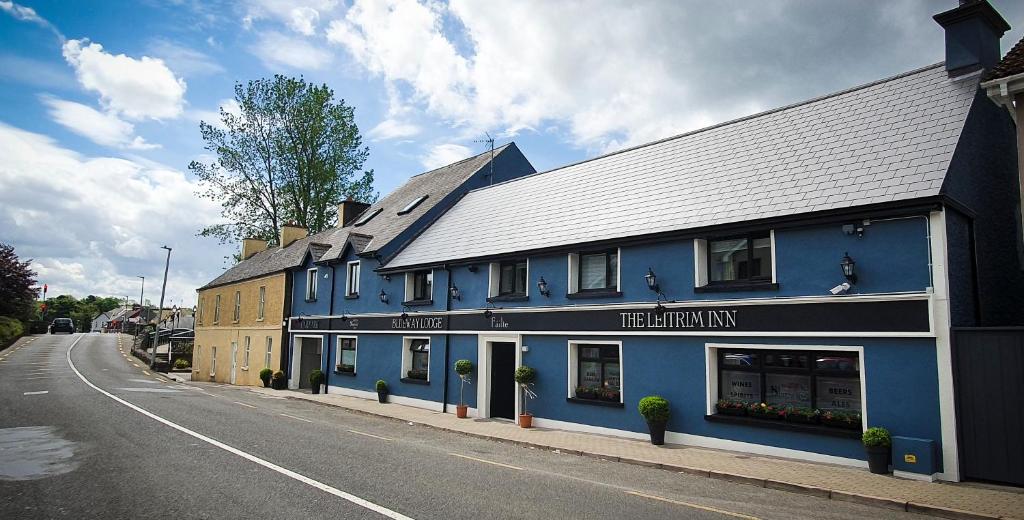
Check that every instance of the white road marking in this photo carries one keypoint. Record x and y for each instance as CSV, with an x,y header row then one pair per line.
x,y
485,461
695,506
41,392
244,404
296,418
370,435
269,465
146,372
150,390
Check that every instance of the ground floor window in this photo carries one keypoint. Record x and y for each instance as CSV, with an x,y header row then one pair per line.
x,y
416,358
346,362
797,385
598,372
245,359
213,360
266,359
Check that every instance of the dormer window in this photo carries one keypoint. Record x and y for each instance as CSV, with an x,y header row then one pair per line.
x,y
412,205
419,287
366,218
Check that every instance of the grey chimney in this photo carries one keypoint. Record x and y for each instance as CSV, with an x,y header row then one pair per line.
x,y
973,30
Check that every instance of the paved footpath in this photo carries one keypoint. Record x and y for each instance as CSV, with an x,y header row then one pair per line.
x,y
827,481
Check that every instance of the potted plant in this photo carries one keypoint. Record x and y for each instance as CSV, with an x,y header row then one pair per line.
x,y
730,407
382,391
525,377
655,411
463,368
278,381
878,445
802,415
265,375
316,377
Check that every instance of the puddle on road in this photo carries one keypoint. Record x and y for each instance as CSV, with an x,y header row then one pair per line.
x,y
34,452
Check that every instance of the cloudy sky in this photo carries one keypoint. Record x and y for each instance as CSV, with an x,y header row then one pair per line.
x,y
101,100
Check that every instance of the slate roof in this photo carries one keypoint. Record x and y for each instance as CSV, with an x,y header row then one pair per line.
x,y
1011,64
886,141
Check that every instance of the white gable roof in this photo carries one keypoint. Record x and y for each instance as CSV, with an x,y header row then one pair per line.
x,y
886,141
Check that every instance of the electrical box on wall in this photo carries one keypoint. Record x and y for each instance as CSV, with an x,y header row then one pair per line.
x,y
911,455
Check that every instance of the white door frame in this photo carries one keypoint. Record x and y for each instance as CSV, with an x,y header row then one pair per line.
x,y
293,381
483,373
234,360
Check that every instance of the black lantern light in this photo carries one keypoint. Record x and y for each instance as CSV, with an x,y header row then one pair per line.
x,y
383,297
344,318
652,280
848,266
542,286
455,292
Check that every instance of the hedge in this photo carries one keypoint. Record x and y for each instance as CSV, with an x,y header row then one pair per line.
x,y
10,330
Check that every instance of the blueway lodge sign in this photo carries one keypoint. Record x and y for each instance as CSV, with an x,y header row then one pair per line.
x,y
844,316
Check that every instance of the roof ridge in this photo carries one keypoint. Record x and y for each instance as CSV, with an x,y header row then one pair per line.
x,y
722,124
502,147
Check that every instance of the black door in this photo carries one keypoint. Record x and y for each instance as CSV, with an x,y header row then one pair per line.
x,y
987,369
503,390
309,360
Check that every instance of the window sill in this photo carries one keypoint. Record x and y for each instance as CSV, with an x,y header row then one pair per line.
x,y
414,381
814,429
593,294
595,402
260,319
737,287
509,298
244,369
416,303
310,301
339,373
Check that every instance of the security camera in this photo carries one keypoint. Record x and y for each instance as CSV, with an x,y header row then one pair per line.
x,y
840,289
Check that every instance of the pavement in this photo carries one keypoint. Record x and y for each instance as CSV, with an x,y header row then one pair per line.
x,y
87,431
948,500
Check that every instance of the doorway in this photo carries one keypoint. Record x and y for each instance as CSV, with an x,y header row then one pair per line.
x,y
502,382
310,349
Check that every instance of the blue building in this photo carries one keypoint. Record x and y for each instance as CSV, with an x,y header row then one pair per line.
x,y
812,259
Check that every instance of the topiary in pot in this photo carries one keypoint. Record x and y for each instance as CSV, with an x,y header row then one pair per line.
x,y
525,377
316,377
265,375
463,368
655,410
878,445
278,381
382,391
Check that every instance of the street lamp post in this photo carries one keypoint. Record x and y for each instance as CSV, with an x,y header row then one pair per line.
x,y
142,293
156,331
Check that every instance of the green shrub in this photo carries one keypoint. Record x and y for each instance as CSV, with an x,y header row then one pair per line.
x,y
316,377
265,376
382,386
525,375
182,363
654,409
463,367
876,436
10,330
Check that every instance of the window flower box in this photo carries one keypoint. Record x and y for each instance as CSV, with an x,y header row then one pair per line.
x,y
765,411
597,394
802,415
840,419
417,374
345,368
729,407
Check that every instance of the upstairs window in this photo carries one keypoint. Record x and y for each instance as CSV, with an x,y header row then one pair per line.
x,y
412,205
311,285
512,278
352,280
598,271
262,303
216,310
366,218
418,286
238,307
740,259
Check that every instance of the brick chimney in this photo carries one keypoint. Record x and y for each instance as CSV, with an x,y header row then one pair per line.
x,y
973,31
251,246
291,232
349,210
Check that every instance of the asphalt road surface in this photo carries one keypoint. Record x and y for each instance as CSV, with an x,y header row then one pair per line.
x,y
86,432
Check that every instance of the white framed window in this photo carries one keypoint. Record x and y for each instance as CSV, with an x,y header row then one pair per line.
x,y
509,279
199,312
416,358
216,310
595,371
735,260
419,286
311,285
594,271
197,357
213,361
352,279
248,348
262,303
270,347
238,307
346,355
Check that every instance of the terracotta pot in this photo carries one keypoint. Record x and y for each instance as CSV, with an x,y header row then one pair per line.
x,y
461,411
525,420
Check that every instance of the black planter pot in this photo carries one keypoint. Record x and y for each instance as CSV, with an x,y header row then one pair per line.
x,y
657,432
878,459
316,388
382,397
277,384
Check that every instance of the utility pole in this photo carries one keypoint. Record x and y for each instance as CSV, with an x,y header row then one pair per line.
x,y
156,330
142,292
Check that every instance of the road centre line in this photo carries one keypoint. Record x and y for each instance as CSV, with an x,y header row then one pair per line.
x,y
243,404
370,435
296,418
485,461
695,506
146,372
245,455
41,392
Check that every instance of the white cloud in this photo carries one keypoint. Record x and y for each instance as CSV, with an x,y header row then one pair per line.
x,y
102,128
277,50
104,220
213,116
304,20
185,60
393,129
135,88
27,14
445,154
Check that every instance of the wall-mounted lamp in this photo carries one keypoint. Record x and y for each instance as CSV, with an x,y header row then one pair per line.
x,y
652,280
851,229
659,309
455,292
386,277
472,268
383,297
487,312
848,266
542,286
343,317
405,312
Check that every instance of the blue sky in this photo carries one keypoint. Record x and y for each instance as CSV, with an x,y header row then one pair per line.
x,y
101,100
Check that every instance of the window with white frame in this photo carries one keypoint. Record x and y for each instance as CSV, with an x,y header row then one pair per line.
x,y
419,286
260,309
735,260
352,279
213,360
216,310
595,371
270,347
416,359
245,359
311,285
594,271
346,362
238,307
197,357
199,312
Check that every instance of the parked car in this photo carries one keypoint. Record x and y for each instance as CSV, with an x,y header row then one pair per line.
x,y
62,325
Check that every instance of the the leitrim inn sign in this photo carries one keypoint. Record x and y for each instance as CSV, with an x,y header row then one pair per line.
x,y
902,316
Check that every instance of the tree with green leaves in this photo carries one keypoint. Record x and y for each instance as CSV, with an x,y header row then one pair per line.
x,y
290,154
17,285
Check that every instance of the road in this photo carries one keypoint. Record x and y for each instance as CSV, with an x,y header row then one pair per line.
x,y
86,432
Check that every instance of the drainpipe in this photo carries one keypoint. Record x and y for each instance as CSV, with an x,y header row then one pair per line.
x,y
447,337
